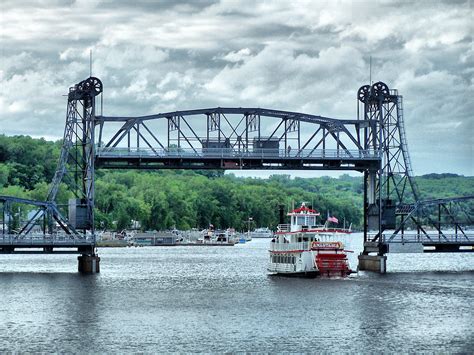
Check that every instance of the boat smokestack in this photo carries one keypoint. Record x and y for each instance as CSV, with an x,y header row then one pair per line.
x,y
281,209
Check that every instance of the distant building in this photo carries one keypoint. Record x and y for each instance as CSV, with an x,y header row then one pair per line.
x,y
154,239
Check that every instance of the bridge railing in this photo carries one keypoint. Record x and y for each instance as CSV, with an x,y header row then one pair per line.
x,y
40,240
428,238
222,153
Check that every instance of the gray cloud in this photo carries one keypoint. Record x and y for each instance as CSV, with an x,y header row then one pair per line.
x,y
305,56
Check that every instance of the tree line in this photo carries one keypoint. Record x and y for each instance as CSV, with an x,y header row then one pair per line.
x,y
194,199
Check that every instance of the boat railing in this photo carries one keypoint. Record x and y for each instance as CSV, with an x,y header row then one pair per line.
x,y
284,228
290,246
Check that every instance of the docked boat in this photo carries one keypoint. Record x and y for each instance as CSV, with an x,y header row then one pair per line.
x,y
261,233
303,248
217,237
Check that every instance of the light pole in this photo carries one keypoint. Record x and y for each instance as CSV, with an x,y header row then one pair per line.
x,y
250,219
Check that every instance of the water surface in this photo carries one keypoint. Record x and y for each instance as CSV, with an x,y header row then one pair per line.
x,y
162,299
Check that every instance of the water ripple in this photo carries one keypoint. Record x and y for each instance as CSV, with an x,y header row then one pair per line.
x,y
222,300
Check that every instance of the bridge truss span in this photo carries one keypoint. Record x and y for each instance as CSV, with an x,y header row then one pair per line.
x,y
234,138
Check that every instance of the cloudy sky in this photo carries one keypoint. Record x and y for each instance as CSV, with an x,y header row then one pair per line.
x,y
158,56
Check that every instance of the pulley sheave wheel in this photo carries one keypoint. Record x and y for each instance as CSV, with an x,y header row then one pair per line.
x,y
380,89
94,85
80,86
363,93
91,85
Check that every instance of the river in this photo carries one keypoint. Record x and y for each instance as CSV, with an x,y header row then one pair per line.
x,y
220,299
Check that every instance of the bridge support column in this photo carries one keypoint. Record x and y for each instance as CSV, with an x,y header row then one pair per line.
x,y
376,263
88,264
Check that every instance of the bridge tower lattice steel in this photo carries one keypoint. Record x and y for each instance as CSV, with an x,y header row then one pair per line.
x,y
387,190
76,164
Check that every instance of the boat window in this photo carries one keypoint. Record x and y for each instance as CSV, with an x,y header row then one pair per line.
x,y
301,220
294,219
311,221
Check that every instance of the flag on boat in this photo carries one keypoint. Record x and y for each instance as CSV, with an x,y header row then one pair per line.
x,y
333,219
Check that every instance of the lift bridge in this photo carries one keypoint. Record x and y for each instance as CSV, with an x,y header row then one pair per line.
x,y
373,144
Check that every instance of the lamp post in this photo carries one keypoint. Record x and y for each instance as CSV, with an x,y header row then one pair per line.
x,y
250,219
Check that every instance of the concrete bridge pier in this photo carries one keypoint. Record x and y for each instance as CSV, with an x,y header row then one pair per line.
x,y
88,264
375,263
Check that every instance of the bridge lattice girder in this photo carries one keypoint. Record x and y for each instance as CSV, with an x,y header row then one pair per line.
x,y
455,211
43,210
288,140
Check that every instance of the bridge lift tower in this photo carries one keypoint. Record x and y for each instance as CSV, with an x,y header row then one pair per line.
x,y
391,195
387,188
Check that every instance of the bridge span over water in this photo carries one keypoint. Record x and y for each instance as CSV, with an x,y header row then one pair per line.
x,y
373,143
234,138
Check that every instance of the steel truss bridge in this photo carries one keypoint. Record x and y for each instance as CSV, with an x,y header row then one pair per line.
x,y
234,138
374,143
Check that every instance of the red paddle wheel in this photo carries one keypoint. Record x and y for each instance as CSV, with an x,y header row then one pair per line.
x,y
331,259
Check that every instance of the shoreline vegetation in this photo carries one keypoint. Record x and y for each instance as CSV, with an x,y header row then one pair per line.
x,y
185,199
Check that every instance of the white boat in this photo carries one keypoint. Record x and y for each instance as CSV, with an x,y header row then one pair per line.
x,y
303,248
225,236
261,233
217,237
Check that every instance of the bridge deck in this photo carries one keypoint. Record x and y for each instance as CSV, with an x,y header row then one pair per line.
x,y
33,244
229,158
428,243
